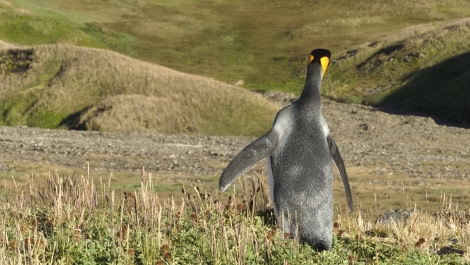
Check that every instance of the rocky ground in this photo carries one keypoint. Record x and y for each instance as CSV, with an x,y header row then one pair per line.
x,y
386,144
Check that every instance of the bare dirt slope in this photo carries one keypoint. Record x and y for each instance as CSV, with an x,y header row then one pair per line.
x,y
377,148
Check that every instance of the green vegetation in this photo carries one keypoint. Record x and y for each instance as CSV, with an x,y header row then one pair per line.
x,y
266,44
422,69
432,91
38,22
407,54
62,86
80,220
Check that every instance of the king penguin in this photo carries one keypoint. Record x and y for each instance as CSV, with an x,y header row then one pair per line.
x,y
300,152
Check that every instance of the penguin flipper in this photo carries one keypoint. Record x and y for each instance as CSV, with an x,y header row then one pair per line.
x,y
248,157
334,153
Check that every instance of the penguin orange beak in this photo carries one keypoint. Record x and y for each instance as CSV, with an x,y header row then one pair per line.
x,y
324,61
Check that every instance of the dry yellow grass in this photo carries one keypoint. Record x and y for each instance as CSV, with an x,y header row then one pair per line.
x,y
4,45
57,221
427,231
138,112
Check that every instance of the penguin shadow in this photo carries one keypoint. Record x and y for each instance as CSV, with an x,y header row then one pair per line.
x,y
267,216
254,200
439,92
260,203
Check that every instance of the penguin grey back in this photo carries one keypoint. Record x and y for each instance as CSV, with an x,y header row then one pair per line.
x,y
300,150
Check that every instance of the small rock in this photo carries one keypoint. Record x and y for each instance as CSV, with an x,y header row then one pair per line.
x,y
393,216
449,250
364,126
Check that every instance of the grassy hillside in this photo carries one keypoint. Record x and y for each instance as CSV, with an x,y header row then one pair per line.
x,y
378,45
66,86
442,89
263,44
424,69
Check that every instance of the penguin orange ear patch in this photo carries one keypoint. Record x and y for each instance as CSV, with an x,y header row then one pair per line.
x,y
310,59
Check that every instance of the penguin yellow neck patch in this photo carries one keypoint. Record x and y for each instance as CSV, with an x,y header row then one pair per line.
x,y
324,61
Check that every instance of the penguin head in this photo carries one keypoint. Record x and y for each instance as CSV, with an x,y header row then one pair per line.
x,y
322,57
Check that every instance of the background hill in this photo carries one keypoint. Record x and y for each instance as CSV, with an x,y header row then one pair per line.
x,y
379,47
424,69
83,88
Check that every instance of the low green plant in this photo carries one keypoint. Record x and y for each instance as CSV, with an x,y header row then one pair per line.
x,y
73,220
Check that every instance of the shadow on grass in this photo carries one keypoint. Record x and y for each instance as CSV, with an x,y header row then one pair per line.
x,y
75,121
72,122
441,92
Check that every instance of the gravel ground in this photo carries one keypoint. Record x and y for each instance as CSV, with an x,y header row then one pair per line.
x,y
389,144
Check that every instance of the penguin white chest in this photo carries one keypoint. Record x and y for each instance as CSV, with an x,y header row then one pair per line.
x,y
324,126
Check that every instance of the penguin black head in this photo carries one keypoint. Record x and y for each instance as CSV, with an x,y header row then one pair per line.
x,y
321,56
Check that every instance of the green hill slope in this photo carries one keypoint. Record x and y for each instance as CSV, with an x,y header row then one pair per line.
x,y
442,90
422,69
263,43
377,45
55,86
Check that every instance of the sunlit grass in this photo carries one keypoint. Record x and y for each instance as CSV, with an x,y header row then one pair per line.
x,y
82,219
262,44
265,45
73,87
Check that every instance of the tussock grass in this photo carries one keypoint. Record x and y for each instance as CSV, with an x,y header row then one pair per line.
x,y
79,219
73,87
